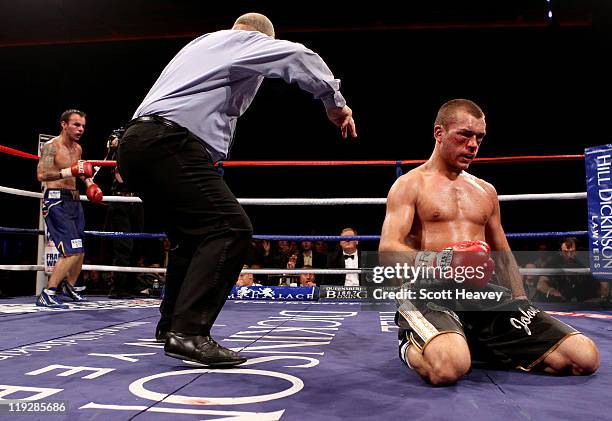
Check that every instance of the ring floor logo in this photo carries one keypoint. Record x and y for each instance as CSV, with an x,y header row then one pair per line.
x,y
121,370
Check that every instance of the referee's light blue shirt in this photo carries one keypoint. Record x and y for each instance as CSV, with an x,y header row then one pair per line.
x,y
213,80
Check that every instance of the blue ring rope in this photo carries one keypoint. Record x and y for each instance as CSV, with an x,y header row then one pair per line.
x,y
34,231
546,234
125,234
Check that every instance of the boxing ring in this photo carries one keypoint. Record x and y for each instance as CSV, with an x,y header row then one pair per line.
x,y
309,358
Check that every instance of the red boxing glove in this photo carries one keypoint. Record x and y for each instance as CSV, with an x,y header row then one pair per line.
x,y
79,168
94,194
470,261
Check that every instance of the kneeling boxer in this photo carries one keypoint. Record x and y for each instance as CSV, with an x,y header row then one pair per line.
x,y
439,216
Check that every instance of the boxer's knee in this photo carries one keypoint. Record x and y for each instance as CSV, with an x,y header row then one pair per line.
x,y
448,358
585,359
577,355
448,370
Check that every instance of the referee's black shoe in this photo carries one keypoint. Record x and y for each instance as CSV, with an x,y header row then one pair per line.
x,y
161,335
201,349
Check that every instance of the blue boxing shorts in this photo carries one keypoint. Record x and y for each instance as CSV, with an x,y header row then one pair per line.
x,y
65,220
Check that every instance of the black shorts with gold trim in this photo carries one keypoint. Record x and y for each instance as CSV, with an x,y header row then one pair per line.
x,y
514,333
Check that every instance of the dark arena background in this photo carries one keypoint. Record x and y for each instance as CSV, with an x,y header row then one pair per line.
x,y
539,69
542,82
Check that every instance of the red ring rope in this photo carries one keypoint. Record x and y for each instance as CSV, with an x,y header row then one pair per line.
x,y
500,159
11,151
484,160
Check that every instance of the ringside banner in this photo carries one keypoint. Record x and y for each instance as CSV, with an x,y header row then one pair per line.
x,y
258,292
598,161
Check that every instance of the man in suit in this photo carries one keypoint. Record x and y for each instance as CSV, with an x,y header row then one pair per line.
x,y
308,257
345,257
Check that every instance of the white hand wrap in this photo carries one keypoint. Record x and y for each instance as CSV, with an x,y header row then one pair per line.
x,y
65,173
432,258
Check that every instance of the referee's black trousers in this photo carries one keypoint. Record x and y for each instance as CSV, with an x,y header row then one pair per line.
x,y
209,231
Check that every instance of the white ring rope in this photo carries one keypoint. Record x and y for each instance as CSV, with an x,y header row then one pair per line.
x,y
383,201
319,201
18,192
101,268
305,201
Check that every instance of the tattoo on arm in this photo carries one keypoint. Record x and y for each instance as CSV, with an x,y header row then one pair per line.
x,y
47,163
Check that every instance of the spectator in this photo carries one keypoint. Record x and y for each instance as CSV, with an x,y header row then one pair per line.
x,y
307,279
151,284
567,287
246,279
93,280
264,254
321,247
530,282
273,255
166,250
345,257
122,217
291,264
259,279
280,257
308,257
543,255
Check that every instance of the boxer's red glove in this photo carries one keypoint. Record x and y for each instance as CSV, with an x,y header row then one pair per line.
x,y
94,194
474,254
79,168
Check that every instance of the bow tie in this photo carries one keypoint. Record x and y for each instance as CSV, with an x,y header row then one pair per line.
x,y
349,256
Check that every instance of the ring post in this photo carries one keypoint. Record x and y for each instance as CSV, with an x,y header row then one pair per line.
x,y
41,276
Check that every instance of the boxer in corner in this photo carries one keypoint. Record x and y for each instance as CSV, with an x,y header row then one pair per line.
x,y
59,166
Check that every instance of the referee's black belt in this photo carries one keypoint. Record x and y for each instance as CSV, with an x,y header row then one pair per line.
x,y
156,119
